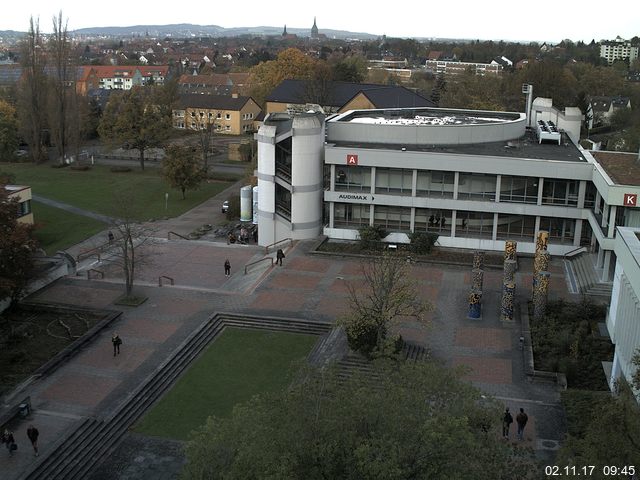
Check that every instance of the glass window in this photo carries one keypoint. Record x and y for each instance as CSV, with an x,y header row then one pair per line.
x,y
350,215
590,196
227,116
513,227
476,186
283,202
519,189
560,229
474,224
353,179
394,181
219,115
435,184
560,192
437,221
393,219
24,208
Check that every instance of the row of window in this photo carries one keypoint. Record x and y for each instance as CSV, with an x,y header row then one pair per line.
x,y
471,186
468,224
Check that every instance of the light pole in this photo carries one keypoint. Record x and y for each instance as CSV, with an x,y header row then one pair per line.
x,y
166,202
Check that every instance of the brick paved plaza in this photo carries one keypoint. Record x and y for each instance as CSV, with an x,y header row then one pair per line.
x,y
309,286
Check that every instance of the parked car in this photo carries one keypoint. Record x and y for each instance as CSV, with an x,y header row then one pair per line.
x,y
225,206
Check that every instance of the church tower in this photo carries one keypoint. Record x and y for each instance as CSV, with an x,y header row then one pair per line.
x,y
314,29
284,33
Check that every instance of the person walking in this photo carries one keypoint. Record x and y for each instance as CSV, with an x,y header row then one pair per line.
x,y
117,341
9,441
507,420
32,433
521,420
279,256
227,268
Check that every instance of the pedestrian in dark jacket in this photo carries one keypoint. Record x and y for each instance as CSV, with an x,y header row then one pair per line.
x,y
227,268
33,433
117,341
521,420
9,441
279,256
507,420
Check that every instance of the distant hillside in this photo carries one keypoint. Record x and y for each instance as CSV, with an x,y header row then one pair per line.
x,y
187,30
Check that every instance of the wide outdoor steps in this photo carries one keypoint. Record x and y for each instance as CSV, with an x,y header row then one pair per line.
x,y
587,278
94,439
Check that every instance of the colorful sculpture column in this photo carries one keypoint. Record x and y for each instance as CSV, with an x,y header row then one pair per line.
x,y
509,281
477,278
540,296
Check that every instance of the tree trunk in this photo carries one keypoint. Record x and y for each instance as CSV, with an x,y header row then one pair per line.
x,y
141,158
183,196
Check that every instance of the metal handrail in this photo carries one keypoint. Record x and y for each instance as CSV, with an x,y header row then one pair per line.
x,y
257,261
164,276
88,253
575,250
94,270
290,240
177,235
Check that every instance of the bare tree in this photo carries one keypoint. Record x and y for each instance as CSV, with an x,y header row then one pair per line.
x,y
387,295
130,239
205,137
62,87
32,92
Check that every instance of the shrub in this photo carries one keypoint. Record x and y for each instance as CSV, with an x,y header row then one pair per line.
x,y
120,169
80,168
371,236
422,242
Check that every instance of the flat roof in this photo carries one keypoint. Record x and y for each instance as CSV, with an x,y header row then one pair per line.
x,y
622,167
428,116
523,147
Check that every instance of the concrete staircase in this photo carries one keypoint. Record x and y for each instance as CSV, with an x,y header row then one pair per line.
x,y
587,280
93,439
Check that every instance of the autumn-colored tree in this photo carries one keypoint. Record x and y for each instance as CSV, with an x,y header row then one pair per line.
x,y
181,169
17,248
8,131
290,64
133,120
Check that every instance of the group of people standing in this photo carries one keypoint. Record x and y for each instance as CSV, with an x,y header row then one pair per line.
x,y
521,420
10,442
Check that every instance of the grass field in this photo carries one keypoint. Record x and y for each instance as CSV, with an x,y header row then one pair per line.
x,y
238,365
94,189
57,229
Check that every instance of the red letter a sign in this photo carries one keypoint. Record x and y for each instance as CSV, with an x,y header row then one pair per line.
x,y
352,159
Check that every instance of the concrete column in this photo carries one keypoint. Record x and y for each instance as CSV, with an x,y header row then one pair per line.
x,y
536,228
596,207
577,235
373,180
332,187
612,221
332,214
453,223
600,259
606,266
540,187
605,215
456,179
494,233
582,191
498,186
412,224
414,183
371,213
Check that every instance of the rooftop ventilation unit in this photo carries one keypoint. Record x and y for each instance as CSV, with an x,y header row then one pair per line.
x,y
548,131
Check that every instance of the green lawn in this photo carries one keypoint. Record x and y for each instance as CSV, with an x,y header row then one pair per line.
x,y
94,189
238,365
57,229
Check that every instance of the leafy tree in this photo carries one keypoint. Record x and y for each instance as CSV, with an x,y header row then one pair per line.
x,y
417,421
8,131
439,88
387,295
134,121
181,169
17,248
32,92
603,430
352,68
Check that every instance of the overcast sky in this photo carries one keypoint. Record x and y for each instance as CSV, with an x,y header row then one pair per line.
x,y
546,20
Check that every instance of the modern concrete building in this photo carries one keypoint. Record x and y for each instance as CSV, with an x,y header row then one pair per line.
x,y
446,67
623,320
477,178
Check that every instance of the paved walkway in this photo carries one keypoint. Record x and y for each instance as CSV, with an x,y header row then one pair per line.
x,y
94,382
